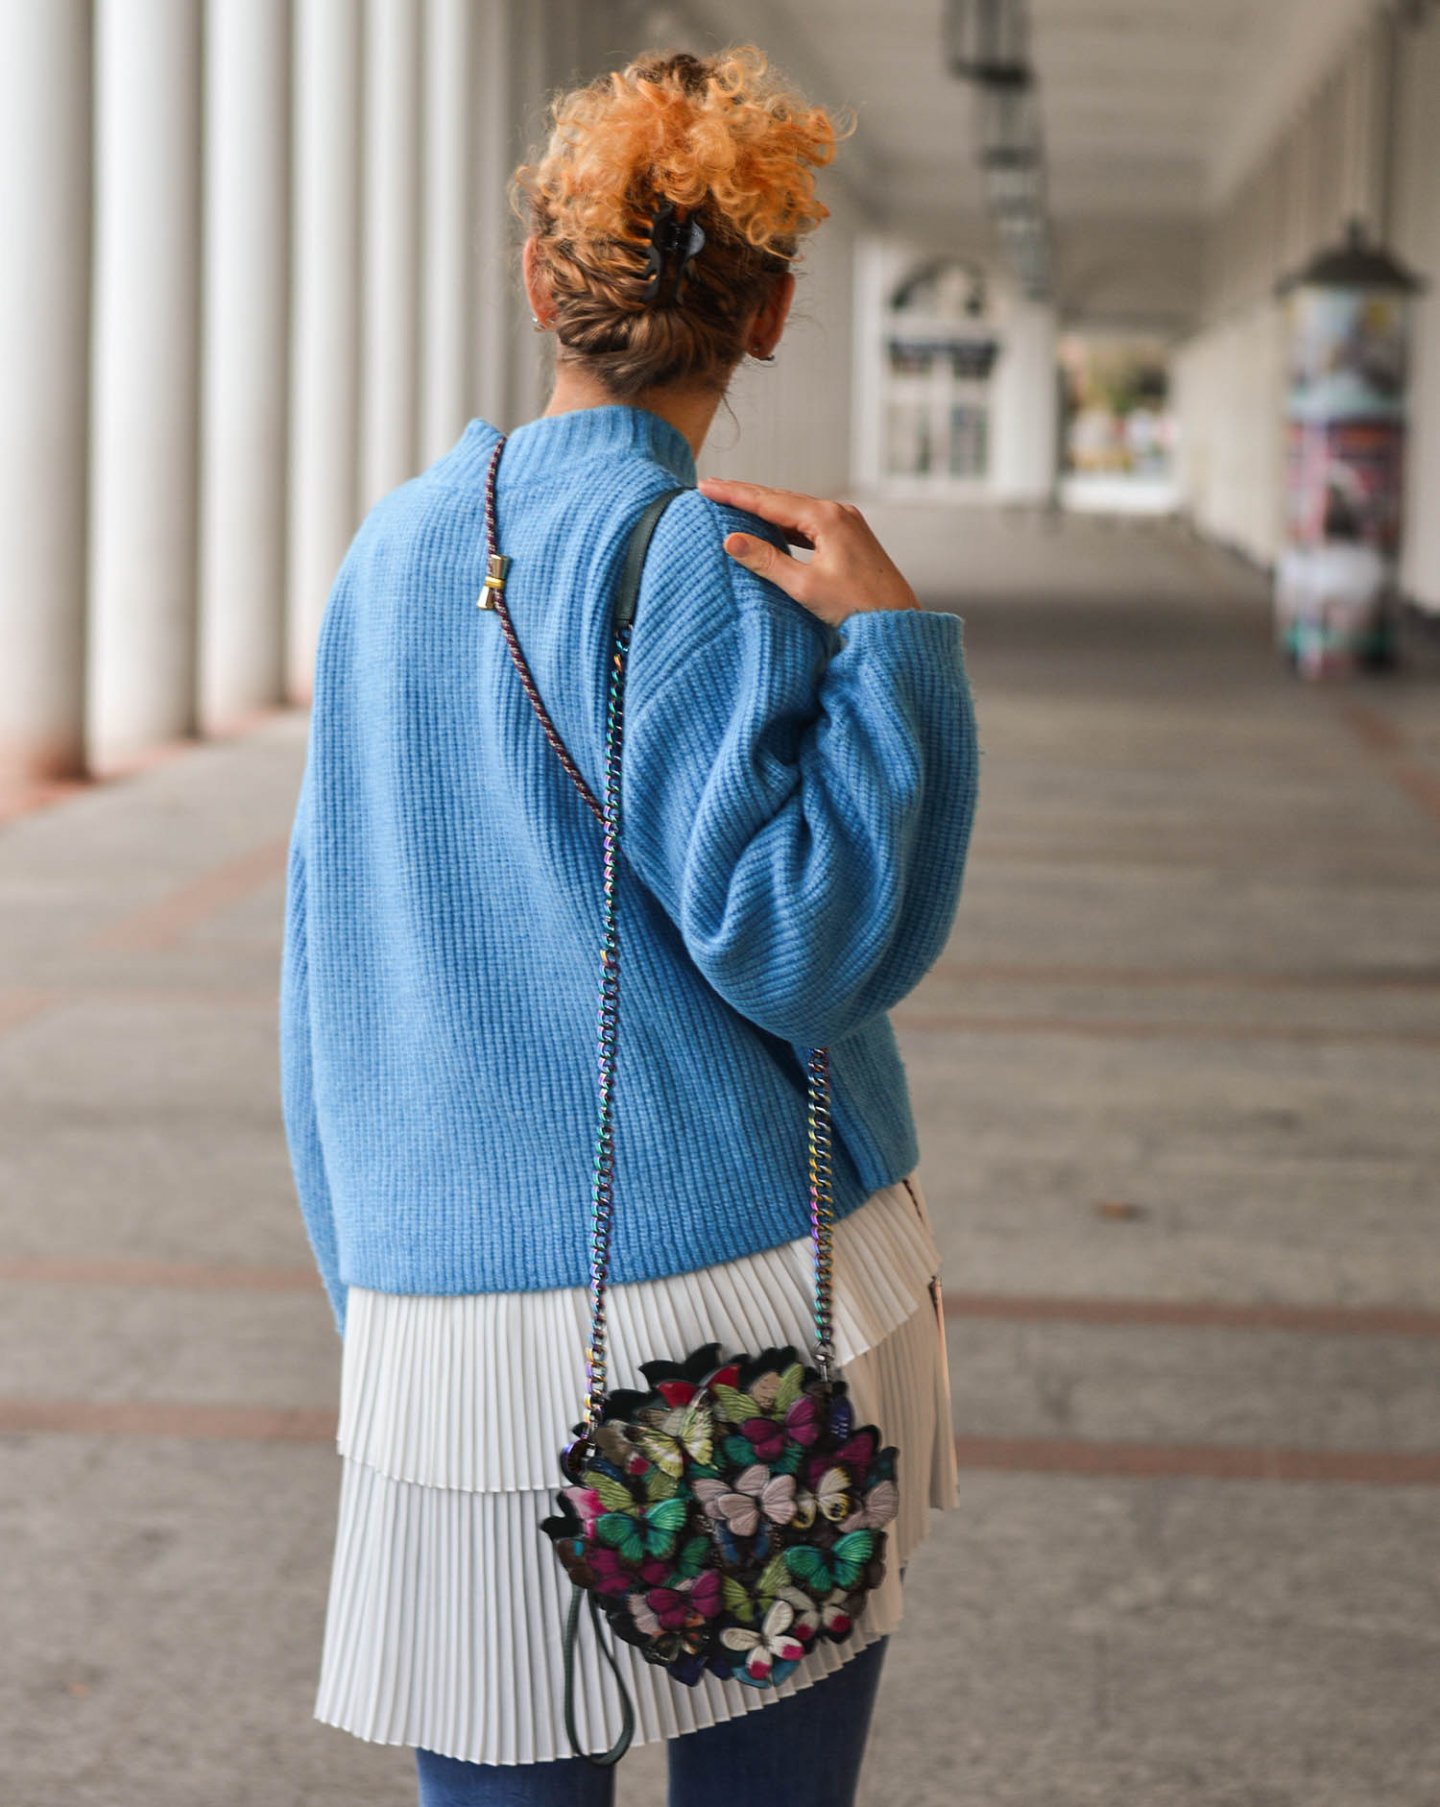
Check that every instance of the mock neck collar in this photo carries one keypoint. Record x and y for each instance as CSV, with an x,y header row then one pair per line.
x,y
538,446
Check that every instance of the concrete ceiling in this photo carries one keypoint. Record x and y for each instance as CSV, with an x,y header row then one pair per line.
x,y
1151,107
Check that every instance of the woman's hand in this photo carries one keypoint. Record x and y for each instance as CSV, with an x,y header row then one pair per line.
x,y
850,572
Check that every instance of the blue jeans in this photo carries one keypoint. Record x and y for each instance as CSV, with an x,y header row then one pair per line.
x,y
803,1751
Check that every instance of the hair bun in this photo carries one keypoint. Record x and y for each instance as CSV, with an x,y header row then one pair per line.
x,y
723,138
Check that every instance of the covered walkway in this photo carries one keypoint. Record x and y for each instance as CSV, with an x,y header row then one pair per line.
x,y
1177,1077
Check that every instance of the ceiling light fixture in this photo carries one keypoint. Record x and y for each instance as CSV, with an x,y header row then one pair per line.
x,y
987,40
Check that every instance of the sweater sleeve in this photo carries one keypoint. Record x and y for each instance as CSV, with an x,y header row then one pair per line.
x,y
800,799
297,1091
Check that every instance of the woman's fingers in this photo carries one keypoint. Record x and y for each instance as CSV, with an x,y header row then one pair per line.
x,y
769,561
850,570
785,508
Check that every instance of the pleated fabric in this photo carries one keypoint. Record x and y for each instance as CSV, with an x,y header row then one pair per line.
x,y
446,1601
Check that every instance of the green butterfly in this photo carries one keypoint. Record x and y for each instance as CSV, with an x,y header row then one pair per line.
x,y
822,1570
659,1485
737,1598
637,1531
735,1406
788,1391
690,1560
613,1495
772,1577
686,1433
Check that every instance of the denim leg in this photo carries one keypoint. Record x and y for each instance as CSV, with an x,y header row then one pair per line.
x,y
803,1751
567,1782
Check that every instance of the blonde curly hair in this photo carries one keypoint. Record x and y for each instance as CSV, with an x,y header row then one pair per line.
x,y
729,143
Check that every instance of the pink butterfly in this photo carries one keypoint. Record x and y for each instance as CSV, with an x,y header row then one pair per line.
x,y
767,1437
755,1491
802,1421
801,1425
614,1576
587,1503
678,1608
855,1454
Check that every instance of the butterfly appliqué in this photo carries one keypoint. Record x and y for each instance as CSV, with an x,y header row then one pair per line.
x,y
731,1517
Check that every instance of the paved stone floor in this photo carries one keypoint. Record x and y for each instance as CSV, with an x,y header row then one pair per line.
x,y
1177,1074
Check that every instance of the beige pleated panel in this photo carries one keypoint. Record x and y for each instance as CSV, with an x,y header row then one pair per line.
x,y
446,1601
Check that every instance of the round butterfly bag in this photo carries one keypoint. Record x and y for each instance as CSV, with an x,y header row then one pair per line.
x,y
732,1516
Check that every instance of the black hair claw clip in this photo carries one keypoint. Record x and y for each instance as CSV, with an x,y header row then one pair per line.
x,y
673,240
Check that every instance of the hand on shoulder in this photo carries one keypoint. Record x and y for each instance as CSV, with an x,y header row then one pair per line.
x,y
851,571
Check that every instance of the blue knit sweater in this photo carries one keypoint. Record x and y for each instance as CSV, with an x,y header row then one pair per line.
x,y
796,807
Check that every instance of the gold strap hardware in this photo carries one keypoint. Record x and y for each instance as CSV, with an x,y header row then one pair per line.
x,y
494,585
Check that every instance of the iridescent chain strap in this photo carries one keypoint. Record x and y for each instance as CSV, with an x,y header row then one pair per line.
x,y
819,1132
602,1213
822,1204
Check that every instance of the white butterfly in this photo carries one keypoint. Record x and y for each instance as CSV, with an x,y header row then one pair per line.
x,y
754,1492
773,1643
807,1614
837,1612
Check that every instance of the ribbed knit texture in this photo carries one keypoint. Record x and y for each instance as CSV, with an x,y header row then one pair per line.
x,y
796,808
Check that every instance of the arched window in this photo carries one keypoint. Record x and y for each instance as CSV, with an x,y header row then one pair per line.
x,y
939,349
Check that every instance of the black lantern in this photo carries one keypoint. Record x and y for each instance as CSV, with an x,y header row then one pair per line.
x,y
1009,123
987,41
1011,152
1353,264
1025,235
1015,188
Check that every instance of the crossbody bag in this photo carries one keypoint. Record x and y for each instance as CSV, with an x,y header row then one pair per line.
x,y
731,1515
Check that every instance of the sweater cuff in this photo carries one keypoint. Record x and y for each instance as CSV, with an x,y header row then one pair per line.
x,y
923,641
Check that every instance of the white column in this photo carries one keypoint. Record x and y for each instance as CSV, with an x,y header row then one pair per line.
x,y
495,152
146,381
867,355
389,440
449,226
532,65
325,326
1025,407
44,325
247,173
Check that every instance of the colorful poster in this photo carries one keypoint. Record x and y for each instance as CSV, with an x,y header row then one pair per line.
x,y
1346,482
1347,354
1346,405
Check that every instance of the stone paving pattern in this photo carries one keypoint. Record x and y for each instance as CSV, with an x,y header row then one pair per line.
x,y
1177,1075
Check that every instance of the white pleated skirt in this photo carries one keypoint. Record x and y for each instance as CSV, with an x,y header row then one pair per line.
x,y
446,1601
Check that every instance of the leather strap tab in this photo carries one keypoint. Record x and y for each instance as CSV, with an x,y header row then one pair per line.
x,y
629,593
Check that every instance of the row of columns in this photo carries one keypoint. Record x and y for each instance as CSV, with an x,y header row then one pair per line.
x,y
249,238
